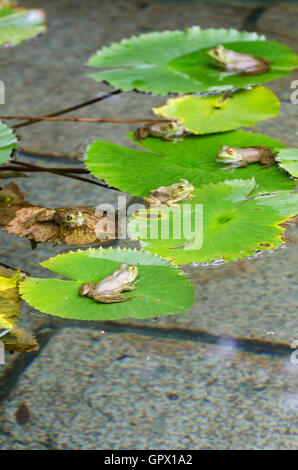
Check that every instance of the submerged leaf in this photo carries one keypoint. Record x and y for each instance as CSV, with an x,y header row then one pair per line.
x,y
18,24
162,288
205,115
16,339
8,140
177,62
11,194
222,223
194,159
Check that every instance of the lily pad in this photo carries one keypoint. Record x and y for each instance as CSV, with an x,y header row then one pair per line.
x,y
8,142
220,224
18,24
162,288
194,159
288,160
14,338
205,115
176,61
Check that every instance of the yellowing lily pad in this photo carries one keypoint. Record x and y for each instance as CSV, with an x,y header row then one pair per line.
x,y
13,337
204,115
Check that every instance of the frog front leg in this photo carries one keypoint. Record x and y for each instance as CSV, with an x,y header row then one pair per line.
x,y
171,203
129,288
192,196
239,165
172,139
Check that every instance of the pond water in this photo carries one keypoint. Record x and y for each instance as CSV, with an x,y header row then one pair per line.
x,y
217,377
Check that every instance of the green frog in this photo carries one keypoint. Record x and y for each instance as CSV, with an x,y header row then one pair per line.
x,y
241,157
71,218
108,290
167,130
169,195
236,61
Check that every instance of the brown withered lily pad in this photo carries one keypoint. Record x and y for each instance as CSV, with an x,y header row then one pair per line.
x,y
66,225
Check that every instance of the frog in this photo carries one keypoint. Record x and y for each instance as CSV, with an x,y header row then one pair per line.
x,y
236,61
108,290
169,195
169,130
241,157
70,218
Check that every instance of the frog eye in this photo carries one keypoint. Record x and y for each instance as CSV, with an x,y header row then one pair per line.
x,y
171,125
230,151
181,186
131,268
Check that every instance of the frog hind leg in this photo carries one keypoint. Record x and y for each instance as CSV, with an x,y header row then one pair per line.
x,y
268,161
140,134
112,297
152,201
255,70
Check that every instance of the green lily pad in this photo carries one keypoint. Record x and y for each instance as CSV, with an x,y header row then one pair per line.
x,y
220,224
204,115
18,24
194,159
288,160
8,142
162,288
176,61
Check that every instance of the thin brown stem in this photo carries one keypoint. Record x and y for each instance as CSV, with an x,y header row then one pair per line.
x,y
20,166
71,108
73,119
74,156
79,171
31,167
